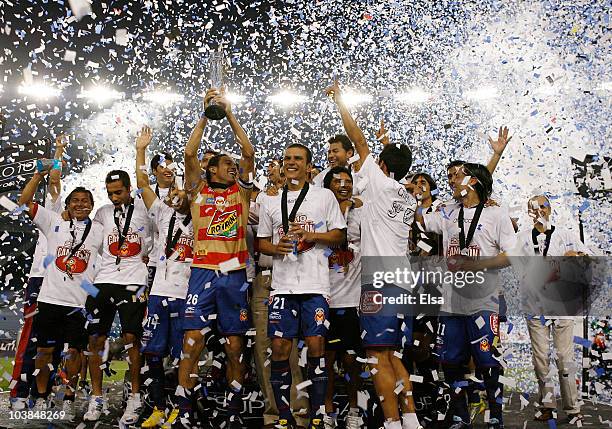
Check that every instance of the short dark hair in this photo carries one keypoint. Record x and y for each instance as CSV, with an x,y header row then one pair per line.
x,y
115,175
300,145
343,140
78,189
428,179
398,159
330,175
212,152
157,160
214,162
455,163
484,187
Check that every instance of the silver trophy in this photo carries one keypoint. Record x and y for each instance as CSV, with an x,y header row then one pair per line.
x,y
216,64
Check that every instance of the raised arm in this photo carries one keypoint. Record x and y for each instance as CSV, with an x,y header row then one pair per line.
x,y
498,147
27,195
55,175
142,178
247,160
193,171
350,126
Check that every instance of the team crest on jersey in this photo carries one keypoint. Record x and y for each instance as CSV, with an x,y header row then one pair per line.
x,y
244,315
494,322
131,245
223,225
367,302
183,249
73,265
319,316
340,258
484,345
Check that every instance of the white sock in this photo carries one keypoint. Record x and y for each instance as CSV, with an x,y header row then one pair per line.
x,y
393,425
410,421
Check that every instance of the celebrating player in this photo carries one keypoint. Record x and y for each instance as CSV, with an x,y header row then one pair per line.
x,y
220,209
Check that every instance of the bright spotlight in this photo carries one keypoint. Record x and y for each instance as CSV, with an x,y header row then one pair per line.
x,y
413,96
235,98
286,98
162,97
352,98
483,93
101,94
39,90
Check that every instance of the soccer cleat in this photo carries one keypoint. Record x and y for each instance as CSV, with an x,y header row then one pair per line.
x,y
96,406
156,418
495,424
133,409
317,424
544,415
476,408
329,422
459,424
18,404
284,424
171,419
68,409
40,405
353,421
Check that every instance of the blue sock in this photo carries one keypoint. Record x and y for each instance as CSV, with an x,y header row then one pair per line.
x,y
157,386
280,375
316,391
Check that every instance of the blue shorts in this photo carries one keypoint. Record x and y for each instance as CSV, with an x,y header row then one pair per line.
x,y
162,327
295,316
385,331
460,337
222,295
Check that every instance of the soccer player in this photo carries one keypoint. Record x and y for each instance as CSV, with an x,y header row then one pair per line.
x,y
162,167
163,331
475,237
120,284
546,239
339,151
343,339
26,348
385,225
60,321
296,227
220,210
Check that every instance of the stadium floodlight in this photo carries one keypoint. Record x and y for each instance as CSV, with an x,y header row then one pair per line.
x,y
235,98
484,93
101,94
352,98
39,90
162,97
286,98
413,96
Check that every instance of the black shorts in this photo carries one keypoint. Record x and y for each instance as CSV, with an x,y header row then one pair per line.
x,y
56,325
343,331
110,299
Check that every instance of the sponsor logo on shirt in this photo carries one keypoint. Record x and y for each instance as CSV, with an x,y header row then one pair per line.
x,y
77,264
473,250
319,316
274,315
494,322
484,345
131,245
223,225
367,305
183,249
306,225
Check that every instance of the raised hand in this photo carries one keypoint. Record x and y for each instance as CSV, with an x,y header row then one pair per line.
x,y
333,91
382,134
222,100
144,137
499,145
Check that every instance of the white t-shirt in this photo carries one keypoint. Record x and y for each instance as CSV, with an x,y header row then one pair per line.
x,y
319,212
345,266
40,251
529,267
494,234
131,270
318,180
58,287
387,214
154,255
172,274
357,184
